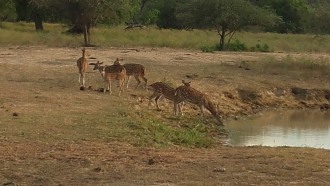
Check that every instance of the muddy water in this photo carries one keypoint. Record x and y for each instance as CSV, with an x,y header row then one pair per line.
x,y
282,128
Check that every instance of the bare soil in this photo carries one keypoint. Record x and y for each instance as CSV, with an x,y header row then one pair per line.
x,y
225,77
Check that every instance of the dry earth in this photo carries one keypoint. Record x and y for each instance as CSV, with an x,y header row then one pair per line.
x,y
239,89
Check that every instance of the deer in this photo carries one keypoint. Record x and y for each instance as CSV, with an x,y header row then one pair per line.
x,y
187,93
161,89
109,73
82,64
134,69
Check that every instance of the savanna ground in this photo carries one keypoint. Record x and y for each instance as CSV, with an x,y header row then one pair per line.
x,y
52,133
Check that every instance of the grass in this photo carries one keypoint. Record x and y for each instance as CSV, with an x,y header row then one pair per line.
x,y
40,95
55,36
302,66
45,89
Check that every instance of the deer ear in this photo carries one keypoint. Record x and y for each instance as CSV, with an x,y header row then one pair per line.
x,y
92,64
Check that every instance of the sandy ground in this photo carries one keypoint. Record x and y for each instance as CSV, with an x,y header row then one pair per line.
x,y
243,92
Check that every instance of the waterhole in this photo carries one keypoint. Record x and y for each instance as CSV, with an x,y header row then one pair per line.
x,y
282,128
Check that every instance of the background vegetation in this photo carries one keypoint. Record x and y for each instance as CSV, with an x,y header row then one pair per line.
x,y
206,40
226,17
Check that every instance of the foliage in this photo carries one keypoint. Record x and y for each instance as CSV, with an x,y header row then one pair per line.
x,y
295,14
7,10
319,23
226,16
237,46
260,48
23,34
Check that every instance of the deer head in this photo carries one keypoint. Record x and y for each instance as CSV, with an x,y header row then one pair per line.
x,y
117,61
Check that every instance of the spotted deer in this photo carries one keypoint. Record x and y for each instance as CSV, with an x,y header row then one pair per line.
x,y
187,93
161,89
109,73
82,65
134,69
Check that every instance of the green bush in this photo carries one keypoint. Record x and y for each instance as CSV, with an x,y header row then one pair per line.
x,y
260,48
237,46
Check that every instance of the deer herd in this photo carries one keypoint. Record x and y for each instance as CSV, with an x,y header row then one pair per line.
x,y
122,73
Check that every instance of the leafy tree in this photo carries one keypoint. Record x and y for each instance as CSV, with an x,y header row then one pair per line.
x,y
320,19
32,10
82,15
294,13
7,10
226,16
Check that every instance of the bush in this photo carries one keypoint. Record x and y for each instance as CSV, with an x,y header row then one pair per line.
x,y
237,46
260,48
210,48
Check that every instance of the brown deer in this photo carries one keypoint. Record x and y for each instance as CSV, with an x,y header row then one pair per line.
x,y
161,90
82,65
133,69
109,73
187,93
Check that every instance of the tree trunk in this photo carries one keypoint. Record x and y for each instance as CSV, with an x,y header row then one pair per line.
x,y
86,38
37,21
222,33
222,40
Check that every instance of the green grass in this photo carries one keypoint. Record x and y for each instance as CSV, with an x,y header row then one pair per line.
x,y
54,35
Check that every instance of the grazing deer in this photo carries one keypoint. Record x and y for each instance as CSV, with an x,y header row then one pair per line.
x,y
187,93
109,73
82,65
161,90
136,70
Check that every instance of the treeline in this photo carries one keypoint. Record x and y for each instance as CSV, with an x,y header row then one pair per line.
x,y
226,16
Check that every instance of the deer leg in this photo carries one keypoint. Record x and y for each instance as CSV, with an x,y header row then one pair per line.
x,y
145,80
109,86
79,79
177,108
180,108
202,109
151,98
157,98
128,78
138,80
83,80
121,84
105,85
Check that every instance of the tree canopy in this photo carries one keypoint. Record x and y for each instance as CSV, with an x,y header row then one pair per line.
x,y
226,16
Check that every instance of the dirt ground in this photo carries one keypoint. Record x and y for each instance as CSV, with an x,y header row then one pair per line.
x,y
238,88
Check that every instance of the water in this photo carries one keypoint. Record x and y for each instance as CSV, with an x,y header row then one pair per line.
x,y
285,128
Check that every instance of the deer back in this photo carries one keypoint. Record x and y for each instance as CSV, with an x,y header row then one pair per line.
x,y
115,72
164,89
187,93
134,69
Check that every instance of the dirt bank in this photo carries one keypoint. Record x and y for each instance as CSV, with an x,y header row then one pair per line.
x,y
40,85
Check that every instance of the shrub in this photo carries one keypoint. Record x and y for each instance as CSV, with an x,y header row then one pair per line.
x,y
237,46
260,48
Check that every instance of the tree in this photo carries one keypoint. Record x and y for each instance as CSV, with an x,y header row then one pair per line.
x,y
320,19
7,10
32,10
294,13
82,15
226,16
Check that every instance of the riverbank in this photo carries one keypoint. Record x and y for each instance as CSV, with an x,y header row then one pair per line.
x,y
54,133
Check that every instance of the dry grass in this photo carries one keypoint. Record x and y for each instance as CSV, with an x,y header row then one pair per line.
x,y
66,136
